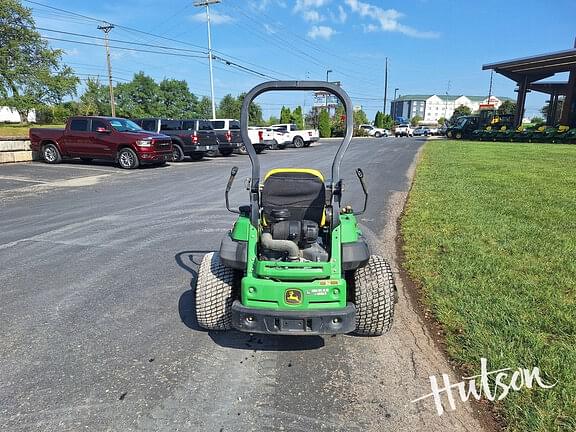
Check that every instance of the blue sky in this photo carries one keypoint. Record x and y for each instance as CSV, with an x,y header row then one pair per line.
x,y
430,44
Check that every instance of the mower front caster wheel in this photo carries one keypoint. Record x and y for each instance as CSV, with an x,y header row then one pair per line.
x,y
214,293
375,297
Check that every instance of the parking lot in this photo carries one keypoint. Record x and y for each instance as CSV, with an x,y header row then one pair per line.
x,y
97,272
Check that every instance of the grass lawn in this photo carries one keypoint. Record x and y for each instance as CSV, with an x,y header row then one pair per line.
x,y
18,130
490,235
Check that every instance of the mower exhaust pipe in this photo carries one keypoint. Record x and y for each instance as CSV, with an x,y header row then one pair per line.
x,y
281,246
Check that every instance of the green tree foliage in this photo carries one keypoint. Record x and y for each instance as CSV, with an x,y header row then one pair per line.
x,y
31,73
297,117
360,118
255,112
460,111
273,120
312,118
285,115
415,120
378,120
95,100
507,107
537,120
176,100
204,108
546,107
442,121
229,107
138,98
387,121
324,124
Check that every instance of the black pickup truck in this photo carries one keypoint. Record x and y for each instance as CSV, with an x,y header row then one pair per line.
x,y
194,138
229,137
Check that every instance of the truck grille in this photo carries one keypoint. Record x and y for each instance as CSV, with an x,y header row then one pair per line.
x,y
162,145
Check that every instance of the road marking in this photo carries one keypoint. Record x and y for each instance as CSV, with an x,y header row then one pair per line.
x,y
22,179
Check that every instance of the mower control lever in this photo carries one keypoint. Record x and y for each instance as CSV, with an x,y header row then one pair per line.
x,y
233,173
360,175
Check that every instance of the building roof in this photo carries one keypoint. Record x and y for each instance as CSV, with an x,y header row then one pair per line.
x,y
536,67
450,98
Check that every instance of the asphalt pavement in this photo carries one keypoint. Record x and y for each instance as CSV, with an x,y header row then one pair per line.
x,y
97,272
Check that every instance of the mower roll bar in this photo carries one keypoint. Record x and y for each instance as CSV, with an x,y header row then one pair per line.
x,y
294,86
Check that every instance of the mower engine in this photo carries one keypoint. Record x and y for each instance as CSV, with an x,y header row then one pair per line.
x,y
292,240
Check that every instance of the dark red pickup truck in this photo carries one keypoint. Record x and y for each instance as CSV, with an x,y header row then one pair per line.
x,y
111,138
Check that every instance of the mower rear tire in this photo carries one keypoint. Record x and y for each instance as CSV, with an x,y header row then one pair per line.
x,y
375,297
214,293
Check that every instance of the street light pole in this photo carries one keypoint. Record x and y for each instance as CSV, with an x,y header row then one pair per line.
x,y
106,29
207,3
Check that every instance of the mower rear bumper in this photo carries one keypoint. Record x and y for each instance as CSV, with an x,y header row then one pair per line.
x,y
310,322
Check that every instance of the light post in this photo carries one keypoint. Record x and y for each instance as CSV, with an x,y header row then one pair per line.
x,y
207,3
394,110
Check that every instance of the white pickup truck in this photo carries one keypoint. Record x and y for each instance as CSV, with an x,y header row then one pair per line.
x,y
297,138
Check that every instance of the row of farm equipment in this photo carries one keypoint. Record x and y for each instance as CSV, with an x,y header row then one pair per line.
x,y
490,126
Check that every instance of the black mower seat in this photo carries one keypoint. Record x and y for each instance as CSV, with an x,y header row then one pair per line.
x,y
301,191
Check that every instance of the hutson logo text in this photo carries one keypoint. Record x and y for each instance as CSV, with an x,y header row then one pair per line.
x,y
503,380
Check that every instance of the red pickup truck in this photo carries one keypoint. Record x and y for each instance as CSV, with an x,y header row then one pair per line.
x,y
112,138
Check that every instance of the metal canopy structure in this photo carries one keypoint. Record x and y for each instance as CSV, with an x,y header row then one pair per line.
x,y
526,72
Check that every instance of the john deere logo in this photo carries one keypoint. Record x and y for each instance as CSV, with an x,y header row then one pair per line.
x,y
293,296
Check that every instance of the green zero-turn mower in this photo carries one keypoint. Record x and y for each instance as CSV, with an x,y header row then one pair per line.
x,y
295,261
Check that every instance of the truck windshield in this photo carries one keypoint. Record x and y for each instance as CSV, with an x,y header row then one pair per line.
x,y
124,125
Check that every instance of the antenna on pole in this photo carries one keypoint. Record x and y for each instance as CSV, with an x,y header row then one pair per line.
x,y
107,28
207,3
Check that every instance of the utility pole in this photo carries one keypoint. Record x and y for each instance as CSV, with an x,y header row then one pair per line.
x,y
446,105
490,90
207,3
106,29
385,86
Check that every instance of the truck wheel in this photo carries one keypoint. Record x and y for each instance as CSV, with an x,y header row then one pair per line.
x,y
298,142
374,297
196,156
127,159
377,134
177,153
214,293
51,154
458,135
226,152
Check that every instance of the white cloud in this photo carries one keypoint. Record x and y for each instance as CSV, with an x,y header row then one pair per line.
x,y
387,20
215,17
304,5
322,32
342,15
312,16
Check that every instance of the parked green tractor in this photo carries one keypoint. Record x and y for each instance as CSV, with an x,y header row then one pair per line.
x,y
295,262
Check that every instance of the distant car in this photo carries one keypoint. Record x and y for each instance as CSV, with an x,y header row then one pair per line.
x,y
403,130
433,130
374,131
422,131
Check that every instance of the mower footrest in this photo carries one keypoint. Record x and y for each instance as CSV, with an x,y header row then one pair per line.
x,y
309,322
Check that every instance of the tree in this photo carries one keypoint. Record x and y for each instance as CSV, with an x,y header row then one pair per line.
x,y
442,121
31,73
95,100
324,124
139,97
285,115
273,120
176,100
460,111
204,108
229,107
360,118
312,118
387,121
415,120
254,111
559,107
297,117
378,120
537,120
507,107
